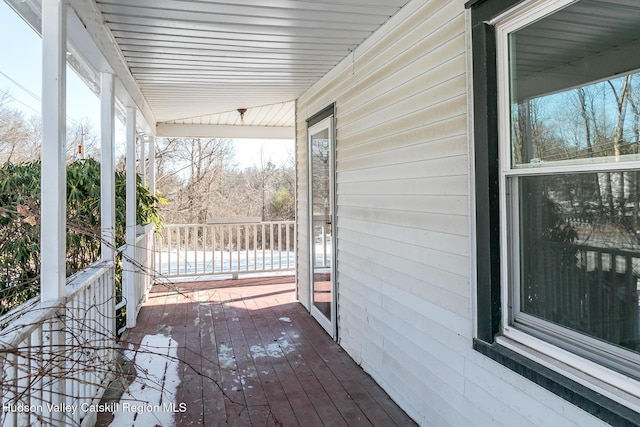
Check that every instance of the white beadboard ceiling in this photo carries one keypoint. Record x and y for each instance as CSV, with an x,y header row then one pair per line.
x,y
198,62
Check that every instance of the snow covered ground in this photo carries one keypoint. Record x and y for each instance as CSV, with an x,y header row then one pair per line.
x,y
150,400
182,263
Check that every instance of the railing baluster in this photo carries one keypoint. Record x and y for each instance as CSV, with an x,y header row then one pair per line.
x,y
23,372
221,246
246,246
192,250
255,247
238,247
264,238
288,245
271,243
36,384
185,249
280,246
10,395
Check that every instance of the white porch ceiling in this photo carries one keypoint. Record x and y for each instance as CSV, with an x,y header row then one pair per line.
x,y
197,62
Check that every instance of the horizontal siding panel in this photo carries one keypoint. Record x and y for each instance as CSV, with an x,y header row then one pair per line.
x,y
424,277
401,80
443,364
433,167
519,402
443,391
425,21
456,205
430,353
364,347
432,239
451,224
390,58
314,101
433,147
456,185
361,292
427,325
447,128
422,288
501,414
436,103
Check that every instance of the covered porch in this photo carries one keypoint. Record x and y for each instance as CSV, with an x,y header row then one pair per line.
x,y
180,69
246,353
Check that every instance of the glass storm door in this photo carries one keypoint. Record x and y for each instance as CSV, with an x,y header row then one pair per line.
x,y
321,182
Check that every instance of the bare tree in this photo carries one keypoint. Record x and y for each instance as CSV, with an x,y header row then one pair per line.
x,y
191,170
18,136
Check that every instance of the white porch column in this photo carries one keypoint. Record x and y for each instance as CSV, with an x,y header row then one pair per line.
x,y
53,195
129,268
143,161
53,170
152,165
107,168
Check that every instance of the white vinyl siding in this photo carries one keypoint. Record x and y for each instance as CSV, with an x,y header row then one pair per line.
x,y
403,215
302,213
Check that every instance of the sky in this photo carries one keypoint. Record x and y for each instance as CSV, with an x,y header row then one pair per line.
x,y
20,76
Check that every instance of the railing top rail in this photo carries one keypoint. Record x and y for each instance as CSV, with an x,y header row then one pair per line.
x,y
86,277
164,226
142,229
19,311
235,220
19,330
141,237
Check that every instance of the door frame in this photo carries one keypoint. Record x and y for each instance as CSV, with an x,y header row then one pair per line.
x,y
329,325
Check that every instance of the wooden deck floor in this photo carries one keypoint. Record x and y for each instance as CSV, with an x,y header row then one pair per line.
x,y
250,355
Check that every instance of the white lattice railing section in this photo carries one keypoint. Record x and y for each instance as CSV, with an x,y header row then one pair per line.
x,y
225,248
55,359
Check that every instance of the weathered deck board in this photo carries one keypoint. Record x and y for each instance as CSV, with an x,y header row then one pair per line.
x,y
250,355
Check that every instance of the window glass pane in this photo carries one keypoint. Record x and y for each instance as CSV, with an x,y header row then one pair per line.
x,y
580,253
574,86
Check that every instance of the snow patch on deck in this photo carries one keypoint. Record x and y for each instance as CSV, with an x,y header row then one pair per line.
x,y
149,398
226,357
278,349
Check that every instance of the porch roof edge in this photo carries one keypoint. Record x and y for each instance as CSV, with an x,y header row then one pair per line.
x,y
168,130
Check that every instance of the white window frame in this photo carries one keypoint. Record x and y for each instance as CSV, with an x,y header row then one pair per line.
x,y
609,382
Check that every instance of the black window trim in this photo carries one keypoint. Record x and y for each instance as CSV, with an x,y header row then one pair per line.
x,y
328,111
486,156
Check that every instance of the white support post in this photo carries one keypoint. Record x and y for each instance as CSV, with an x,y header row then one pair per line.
x,y
107,168
143,161
152,165
129,267
53,194
152,191
53,170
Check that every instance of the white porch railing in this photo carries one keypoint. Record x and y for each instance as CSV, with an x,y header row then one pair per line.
x,y
138,273
225,248
55,359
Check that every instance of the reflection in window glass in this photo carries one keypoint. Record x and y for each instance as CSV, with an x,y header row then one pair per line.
x,y
590,122
575,86
574,91
580,253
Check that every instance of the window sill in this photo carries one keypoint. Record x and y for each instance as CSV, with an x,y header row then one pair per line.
x,y
523,362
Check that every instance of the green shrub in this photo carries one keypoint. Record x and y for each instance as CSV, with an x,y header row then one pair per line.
x,y
20,223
